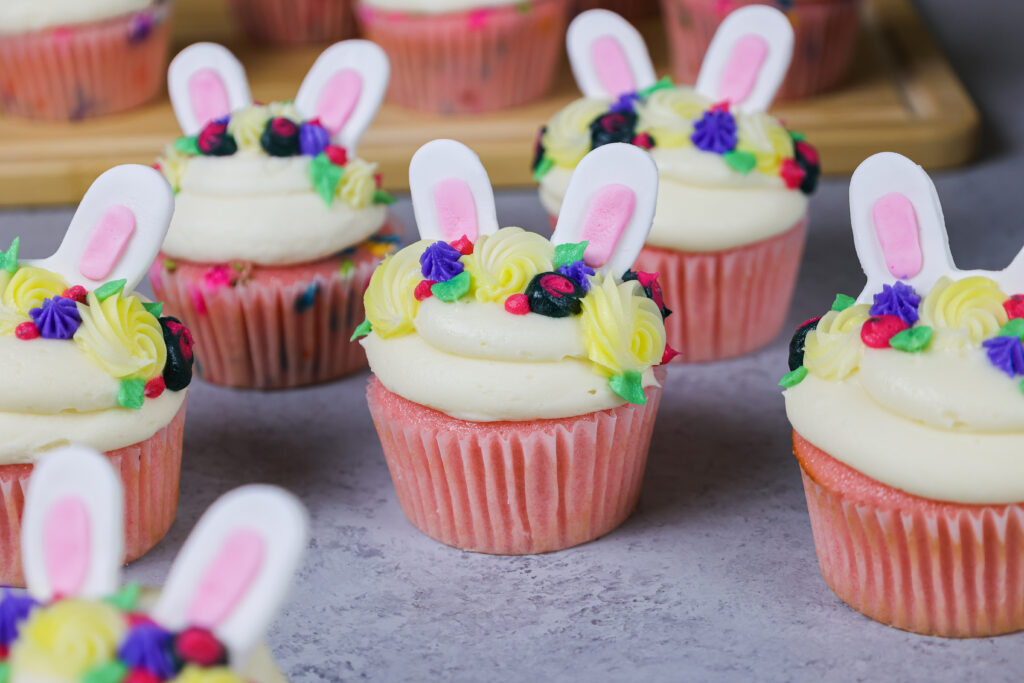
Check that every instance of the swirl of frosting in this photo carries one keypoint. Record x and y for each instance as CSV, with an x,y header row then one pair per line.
x,y
503,264
247,126
834,349
358,185
668,115
390,299
567,138
217,674
622,329
121,336
972,309
29,287
762,135
67,640
173,164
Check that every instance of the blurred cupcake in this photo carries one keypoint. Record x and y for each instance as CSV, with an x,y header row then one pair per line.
x,y
467,56
825,38
295,22
908,421
631,10
86,361
516,379
74,60
278,224
731,218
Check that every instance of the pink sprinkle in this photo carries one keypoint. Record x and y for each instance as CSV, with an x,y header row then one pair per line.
x,y
26,330
216,277
337,154
423,290
517,304
646,279
154,387
721,106
198,300
62,36
463,245
478,18
669,354
1014,306
792,173
808,152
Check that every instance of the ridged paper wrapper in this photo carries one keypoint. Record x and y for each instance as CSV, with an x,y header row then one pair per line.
x,y
296,22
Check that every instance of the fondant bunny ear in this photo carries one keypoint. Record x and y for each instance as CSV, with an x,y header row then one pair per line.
x,y
610,203
117,230
235,569
206,82
748,58
608,56
898,228
451,192
344,89
72,532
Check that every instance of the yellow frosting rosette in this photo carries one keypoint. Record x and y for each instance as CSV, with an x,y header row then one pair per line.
x,y
967,310
358,185
763,136
833,350
669,113
246,126
29,287
121,336
567,137
503,264
67,640
390,300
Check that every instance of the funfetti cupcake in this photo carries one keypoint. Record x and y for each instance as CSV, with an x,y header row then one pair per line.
x,y
78,623
73,60
296,22
516,379
908,421
731,219
467,56
85,360
278,222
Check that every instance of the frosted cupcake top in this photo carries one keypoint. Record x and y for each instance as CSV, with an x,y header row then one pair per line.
x,y
733,174
916,382
489,325
77,623
273,184
17,16
81,357
438,6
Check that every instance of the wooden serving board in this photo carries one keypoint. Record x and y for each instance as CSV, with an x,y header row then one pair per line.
x,y
903,96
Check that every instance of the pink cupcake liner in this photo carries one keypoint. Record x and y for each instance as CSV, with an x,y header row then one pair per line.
x,y
630,10
84,70
470,62
514,488
926,566
150,472
294,22
826,35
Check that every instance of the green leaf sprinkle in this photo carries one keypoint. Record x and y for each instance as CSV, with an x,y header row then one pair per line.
x,y
5,672
571,252
383,197
744,162
105,291
170,265
797,136
346,268
664,84
791,379
131,393
542,169
453,289
1013,328
9,258
629,385
126,599
187,145
364,329
843,302
155,309
106,673
325,177
914,340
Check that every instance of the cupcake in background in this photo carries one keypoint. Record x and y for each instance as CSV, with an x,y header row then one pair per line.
x,y
278,223
87,361
825,38
516,379
467,56
908,421
75,60
731,219
295,22
630,10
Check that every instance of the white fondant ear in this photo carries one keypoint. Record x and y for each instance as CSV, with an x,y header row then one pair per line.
x,y
610,203
236,567
608,56
748,58
117,230
898,228
451,192
72,532
344,89
206,82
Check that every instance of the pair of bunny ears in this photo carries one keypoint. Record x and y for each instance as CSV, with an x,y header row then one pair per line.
x,y
899,231
230,577
343,89
745,64
610,200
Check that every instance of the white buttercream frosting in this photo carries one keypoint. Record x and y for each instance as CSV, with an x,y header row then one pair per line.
x,y
436,6
17,16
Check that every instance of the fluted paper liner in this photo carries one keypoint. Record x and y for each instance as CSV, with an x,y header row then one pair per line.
x,y
296,22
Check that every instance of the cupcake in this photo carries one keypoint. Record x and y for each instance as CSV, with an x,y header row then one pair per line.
x,y
467,56
825,38
74,60
631,10
731,218
908,421
87,361
295,22
516,379
78,623
278,223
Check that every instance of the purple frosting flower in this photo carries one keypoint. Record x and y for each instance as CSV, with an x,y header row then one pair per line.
x,y
14,609
715,132
57,318
1006,353
625,101
150,648
440,262
313,138
900,300
577,271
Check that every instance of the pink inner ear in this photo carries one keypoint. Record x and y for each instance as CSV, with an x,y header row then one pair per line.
x,y
608,214
66,545
209,96
227,579
898,234
456,209
741,72
611,66
108,241
339,99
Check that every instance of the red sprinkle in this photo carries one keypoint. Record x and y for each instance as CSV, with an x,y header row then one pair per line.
x,y
138,619
721,106
879,329
154,387
199,646
423,290
669,354
463,245
140,676
644,140
646,279
26,330
337,154
792,173
378,180
808,152
517,304
76,293
1015,306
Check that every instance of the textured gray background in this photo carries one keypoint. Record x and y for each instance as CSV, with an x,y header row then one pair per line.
x,y
714,577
